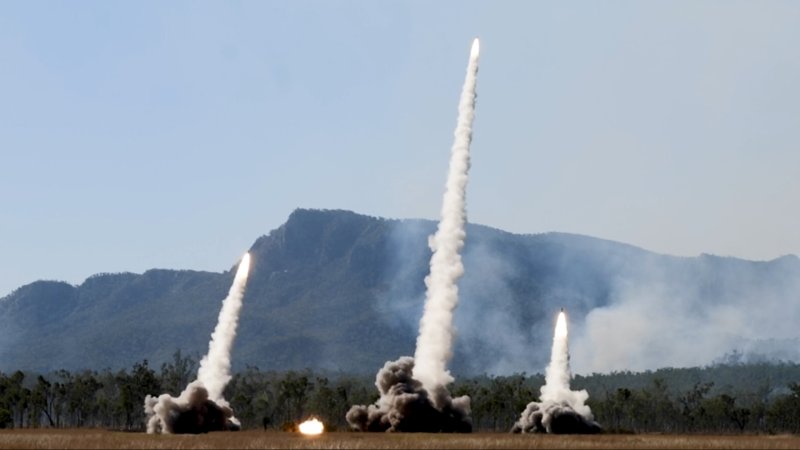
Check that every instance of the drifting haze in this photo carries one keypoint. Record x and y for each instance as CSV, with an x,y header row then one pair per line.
x,y
662,315
630,309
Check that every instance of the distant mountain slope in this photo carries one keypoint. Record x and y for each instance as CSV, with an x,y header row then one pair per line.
x,y
110,320
343,291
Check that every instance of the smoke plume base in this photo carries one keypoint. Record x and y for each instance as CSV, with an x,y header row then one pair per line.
x,y
406,406
190,413
560,409
554,418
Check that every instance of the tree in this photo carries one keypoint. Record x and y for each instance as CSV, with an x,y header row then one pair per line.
x,y
327,402
251,396
692,402
661,411
293,391
5,418
15,397
784,413
81,403
176,375
108,409
43,398
133,389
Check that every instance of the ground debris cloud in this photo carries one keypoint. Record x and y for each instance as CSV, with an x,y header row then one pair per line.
x,y
405,405
414,395
560,409
201,407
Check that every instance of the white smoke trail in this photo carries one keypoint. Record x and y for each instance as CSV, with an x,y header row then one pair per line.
x,y
435,340
413,391
557,375
201,406
561,410
215,367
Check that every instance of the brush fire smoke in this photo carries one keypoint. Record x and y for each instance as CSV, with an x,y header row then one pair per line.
x,y
561,410
414,395
201,407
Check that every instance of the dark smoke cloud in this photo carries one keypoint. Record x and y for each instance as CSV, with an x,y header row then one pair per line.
x,y
555,418
406,406
191,413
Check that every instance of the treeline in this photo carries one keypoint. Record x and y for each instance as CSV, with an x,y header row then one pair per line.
x,y
727,398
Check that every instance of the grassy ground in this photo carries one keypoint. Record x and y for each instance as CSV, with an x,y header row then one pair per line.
x,y
70,439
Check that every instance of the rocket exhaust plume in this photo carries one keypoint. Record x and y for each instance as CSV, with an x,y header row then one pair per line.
x,y
414,395
201,407
561,410
435,340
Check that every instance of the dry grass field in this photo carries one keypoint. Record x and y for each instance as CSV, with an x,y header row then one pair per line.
x,y
73,439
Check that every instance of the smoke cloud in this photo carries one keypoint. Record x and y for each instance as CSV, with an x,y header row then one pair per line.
x,y
561,410
707,307
630,309
405,405
414,395
201,407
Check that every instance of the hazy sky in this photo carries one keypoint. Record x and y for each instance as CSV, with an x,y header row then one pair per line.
x,y
136,135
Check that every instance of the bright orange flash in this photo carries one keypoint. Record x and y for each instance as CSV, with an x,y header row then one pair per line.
x,y
311,427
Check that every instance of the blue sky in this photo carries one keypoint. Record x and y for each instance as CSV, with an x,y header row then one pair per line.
x,y
136,135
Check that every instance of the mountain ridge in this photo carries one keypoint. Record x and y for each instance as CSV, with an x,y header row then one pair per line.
x,y
337,290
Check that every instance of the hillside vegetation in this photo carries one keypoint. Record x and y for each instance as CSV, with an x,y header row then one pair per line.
x,y
339,291
744,398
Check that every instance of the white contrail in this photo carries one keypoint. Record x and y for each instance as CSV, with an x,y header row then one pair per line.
x,y
561,410
215,367
435,340
557,375
164,412
413,391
